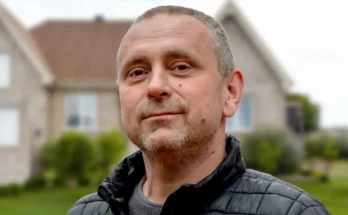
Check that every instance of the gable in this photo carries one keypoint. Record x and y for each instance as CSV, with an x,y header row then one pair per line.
x,y
230,11
26,44
256,71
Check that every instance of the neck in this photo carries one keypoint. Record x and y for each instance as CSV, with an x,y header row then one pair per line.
x,y
164,178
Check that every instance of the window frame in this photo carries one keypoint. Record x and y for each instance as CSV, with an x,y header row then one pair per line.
x,y
249,128
7,82
16,142
80,126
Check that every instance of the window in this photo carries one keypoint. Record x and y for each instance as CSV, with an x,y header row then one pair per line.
x,y
81,111
9,126
4,70
241,120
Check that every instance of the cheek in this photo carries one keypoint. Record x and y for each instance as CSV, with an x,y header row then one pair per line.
x,y
127,104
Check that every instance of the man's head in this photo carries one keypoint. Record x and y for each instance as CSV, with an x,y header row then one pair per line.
x,y
177,80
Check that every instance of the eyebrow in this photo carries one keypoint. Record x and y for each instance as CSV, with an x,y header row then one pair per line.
x,y
179,53
137,59
169,54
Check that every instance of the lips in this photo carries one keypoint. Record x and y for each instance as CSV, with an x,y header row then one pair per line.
x,y
159,114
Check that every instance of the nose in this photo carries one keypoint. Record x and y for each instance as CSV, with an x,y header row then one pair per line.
x,y
158,87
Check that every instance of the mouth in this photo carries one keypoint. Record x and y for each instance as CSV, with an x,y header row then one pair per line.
x,y
161,115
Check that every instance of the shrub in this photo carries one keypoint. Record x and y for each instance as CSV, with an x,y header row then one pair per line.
x,y
321,176
35,182
74,157
111,147
10,190
321,145
47,154
271,151
341,144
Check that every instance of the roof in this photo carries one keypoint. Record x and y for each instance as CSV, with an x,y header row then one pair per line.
x,y
81,50
230,8
26,43
87,49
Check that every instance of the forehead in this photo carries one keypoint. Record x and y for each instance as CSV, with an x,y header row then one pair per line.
x,y
167,31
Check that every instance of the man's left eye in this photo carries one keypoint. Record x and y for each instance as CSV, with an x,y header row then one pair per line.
x,y
182,67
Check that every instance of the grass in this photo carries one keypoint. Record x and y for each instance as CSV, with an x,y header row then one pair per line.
x,y
49,202
333,195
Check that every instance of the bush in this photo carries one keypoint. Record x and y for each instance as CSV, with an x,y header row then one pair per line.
x,y
271,151
341,144
10,190
47,154
74,157
35,182
321,176
322,145
111,146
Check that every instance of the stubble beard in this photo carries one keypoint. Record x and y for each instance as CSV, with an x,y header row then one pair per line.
x,y
183,146
173,143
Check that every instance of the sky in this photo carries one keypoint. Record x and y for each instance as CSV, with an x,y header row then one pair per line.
x,y
309,38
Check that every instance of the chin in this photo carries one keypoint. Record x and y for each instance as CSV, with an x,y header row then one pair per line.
x,y
164,140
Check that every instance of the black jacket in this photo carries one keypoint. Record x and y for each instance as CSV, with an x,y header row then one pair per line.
x,y
230,189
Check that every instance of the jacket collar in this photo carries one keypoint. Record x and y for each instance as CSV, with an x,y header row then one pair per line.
x,y
117,188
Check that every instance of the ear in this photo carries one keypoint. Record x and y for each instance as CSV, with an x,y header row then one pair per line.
x,y
233,92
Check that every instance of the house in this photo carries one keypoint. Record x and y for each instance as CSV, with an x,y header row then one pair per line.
x,y
264,102
61,75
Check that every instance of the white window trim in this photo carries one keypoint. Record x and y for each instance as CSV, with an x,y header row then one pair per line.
x,y
244,130
9,75
18,130
84,129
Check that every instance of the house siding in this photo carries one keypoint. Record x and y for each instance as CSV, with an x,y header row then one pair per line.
x,y
268,98
27,94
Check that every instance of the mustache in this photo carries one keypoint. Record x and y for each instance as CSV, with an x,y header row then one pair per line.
x,y
151,107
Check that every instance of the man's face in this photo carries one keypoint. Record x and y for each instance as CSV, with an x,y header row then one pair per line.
x,y
169,85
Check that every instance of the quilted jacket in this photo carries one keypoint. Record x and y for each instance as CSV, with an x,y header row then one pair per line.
x,y
230,189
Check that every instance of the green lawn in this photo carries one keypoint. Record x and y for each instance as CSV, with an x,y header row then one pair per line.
x,y
52,202
334,195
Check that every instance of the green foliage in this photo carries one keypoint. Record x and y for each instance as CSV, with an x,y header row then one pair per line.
x,y
271,151
75,159
310,111
36,182
322,145
111,147
10,190
73,155
321,176
46,154
330,152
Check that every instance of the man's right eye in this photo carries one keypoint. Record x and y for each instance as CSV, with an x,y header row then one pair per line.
x,y
136,73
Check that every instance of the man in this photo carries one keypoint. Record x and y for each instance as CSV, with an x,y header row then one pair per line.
x,y
177,84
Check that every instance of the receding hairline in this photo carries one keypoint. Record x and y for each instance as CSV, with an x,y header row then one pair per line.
x,y
222,46
153,15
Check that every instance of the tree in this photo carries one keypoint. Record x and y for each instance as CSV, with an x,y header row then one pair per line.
x,y
310,111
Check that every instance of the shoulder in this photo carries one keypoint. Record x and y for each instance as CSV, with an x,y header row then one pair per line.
x,y
88,205
260,193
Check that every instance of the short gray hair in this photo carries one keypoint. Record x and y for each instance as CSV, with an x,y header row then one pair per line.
x,y
221,39
223,48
